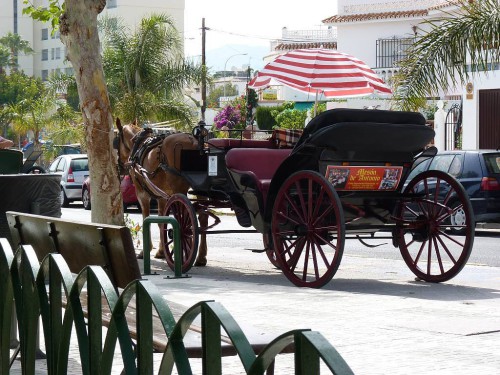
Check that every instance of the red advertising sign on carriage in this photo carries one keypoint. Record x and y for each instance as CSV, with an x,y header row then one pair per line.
x,y
364,177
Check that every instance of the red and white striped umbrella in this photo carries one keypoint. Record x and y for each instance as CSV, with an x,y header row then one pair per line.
x,y
318,70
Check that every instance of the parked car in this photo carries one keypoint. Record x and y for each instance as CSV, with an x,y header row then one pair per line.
x,y
126,186
74,169
479,172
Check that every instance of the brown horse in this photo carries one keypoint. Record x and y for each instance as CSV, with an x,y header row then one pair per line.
x,y
154,167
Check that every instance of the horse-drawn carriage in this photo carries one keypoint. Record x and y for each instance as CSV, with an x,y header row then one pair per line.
x,y
345,178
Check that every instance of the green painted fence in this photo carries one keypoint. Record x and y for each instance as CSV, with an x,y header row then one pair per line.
x,y
38,290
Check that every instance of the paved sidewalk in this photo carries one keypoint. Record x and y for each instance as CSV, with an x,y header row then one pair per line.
x,y
373,312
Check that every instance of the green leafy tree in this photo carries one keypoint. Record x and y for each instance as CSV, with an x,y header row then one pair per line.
x,y
4,59
443,56
17,88
15,45
217,92
33,114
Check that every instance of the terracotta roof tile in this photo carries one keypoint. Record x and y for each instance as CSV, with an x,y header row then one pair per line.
x,y
376,16
441,6
290,46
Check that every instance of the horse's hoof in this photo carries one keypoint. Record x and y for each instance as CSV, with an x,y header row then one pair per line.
x,y
160,255
140,255
200,263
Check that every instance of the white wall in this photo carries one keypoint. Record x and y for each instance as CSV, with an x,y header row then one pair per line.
x,y
360,39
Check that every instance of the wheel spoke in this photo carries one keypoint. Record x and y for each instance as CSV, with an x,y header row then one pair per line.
x,y
301,200
306,260
438,255
293,205
315,259
323,215
295,256
320,200
322,253
450,255
286,217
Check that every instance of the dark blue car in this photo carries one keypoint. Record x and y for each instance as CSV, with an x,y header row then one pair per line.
x,y
479,172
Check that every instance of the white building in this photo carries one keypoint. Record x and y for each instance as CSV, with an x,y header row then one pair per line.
x,y
49,55
379,31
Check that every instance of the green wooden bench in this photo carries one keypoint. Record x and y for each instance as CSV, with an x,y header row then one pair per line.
x,y
80,244
111,247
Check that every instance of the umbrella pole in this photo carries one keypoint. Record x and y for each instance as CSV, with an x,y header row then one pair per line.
x,y
316,103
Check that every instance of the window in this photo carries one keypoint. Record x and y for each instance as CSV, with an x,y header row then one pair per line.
x,y
58,53
45,34
456,165
391,51
111,4
441,163
56,35
45,54
45,75
68,71
52,53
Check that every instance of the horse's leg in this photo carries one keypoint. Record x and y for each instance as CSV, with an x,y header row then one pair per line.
x,y
202,248
162,203
143,199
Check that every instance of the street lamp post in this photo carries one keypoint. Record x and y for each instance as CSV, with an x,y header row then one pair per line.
x,y
225,65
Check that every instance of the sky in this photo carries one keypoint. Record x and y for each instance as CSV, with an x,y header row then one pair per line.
x,y
238,27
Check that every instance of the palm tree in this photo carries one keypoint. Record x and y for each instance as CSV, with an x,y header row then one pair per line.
x,y
16,45
458,45
145,71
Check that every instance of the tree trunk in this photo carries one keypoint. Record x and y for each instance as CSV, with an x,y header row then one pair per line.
x,y
78,26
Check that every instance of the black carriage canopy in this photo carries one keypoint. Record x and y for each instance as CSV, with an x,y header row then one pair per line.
x,y
367,130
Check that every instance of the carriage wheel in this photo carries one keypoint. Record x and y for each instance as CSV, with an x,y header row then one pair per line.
x,y
268,245
308,229
180,207
428,249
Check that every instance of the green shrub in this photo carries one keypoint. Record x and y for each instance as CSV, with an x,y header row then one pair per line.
x,y
264,118
291,119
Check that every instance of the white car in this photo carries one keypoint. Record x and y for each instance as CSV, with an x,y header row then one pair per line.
x,y
74,169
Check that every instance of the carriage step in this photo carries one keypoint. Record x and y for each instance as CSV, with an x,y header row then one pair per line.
x,y
243,217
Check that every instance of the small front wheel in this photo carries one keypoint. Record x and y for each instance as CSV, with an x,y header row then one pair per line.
x,y
181,208
308,229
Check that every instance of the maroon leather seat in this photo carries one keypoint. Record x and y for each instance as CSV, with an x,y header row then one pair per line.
x,y
255,166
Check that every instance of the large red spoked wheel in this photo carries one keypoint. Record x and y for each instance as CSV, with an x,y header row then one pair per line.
x,y
181,208
430,251
308,229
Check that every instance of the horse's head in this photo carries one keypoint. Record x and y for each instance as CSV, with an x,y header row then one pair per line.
x,y
124,142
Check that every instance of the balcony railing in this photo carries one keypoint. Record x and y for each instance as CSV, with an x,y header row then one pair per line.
x,y
391,51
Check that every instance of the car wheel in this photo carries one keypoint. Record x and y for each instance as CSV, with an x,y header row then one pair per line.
x,y
86,199
458,220
64,199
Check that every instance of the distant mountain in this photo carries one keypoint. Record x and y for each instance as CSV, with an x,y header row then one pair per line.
x,y
217,58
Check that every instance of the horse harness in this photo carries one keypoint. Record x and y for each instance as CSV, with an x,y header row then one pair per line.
x,y
145,142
